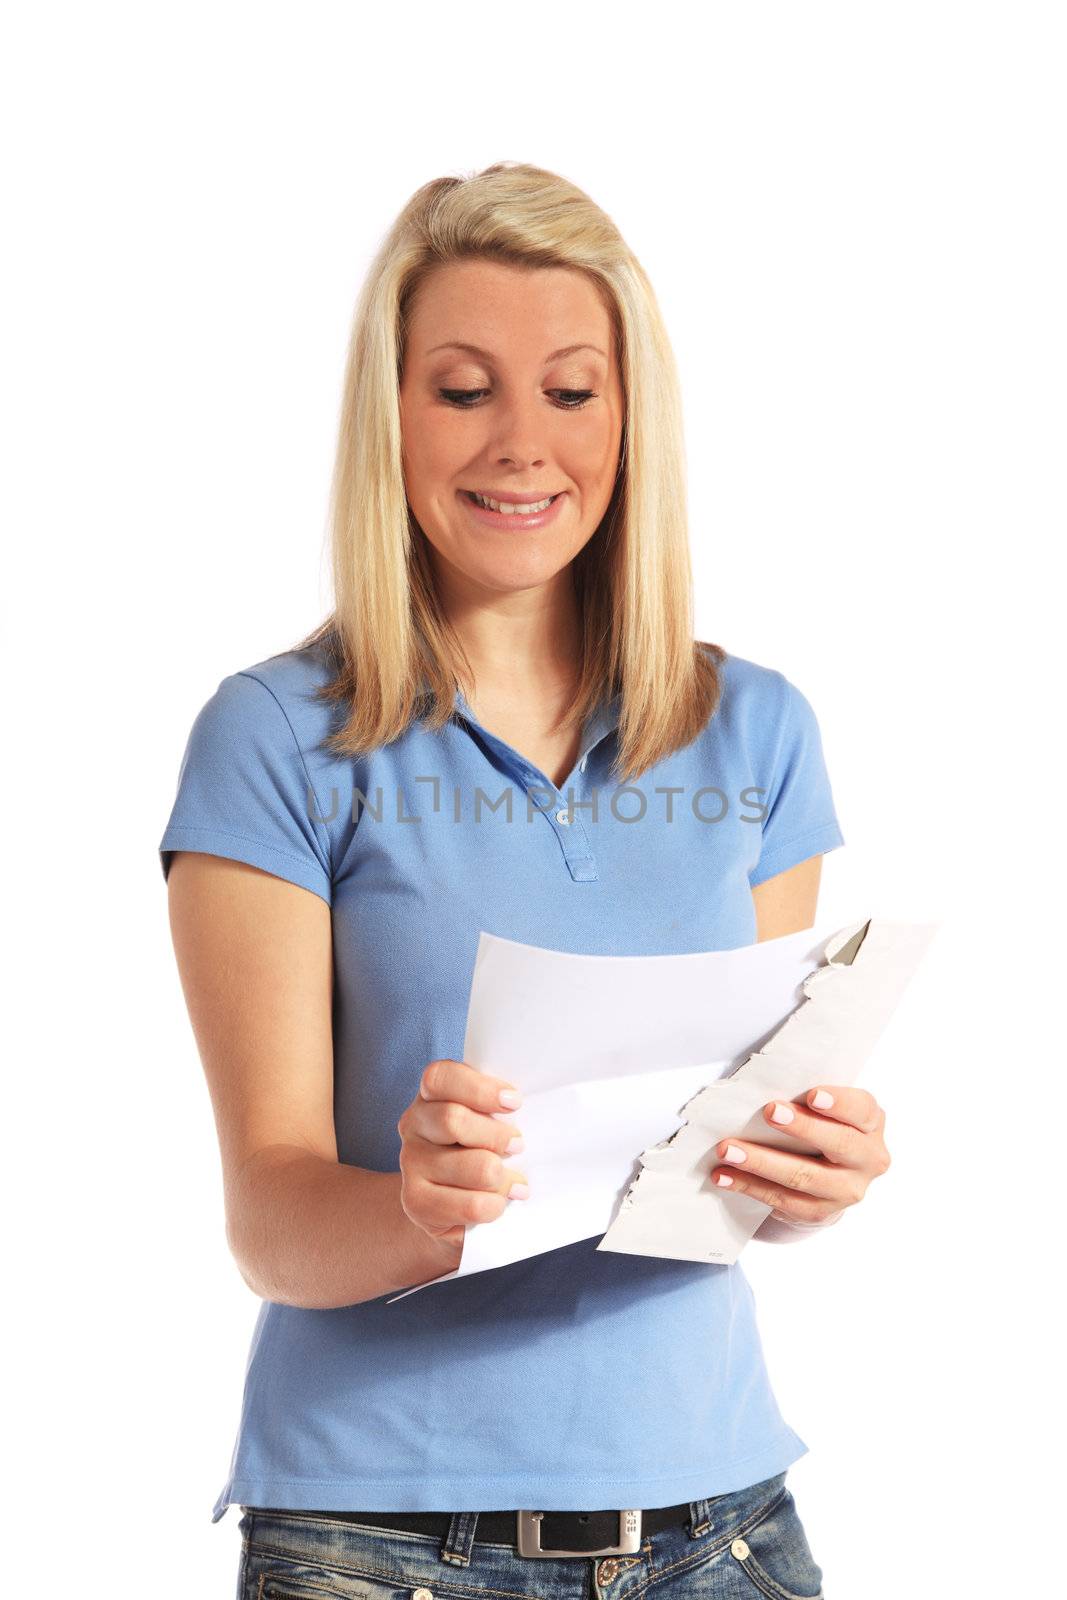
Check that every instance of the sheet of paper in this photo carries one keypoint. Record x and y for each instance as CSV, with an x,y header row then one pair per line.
x,y
607,1050
609,1053
846,1004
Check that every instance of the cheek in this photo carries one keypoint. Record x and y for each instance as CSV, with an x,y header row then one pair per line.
x,y
428,450
594,451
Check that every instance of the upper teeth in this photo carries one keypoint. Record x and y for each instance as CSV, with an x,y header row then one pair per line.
x,y
510,507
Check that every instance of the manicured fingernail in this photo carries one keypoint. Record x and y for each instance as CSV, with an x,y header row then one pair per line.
x,y
821,1100
782,1113
519,1191
514,1146
734,1153
510,1098
724,1178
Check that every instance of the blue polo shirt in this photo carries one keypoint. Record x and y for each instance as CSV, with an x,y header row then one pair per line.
x,y
577,1379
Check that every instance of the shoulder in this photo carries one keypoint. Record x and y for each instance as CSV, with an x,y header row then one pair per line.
x,y
756,699
249,785
275,698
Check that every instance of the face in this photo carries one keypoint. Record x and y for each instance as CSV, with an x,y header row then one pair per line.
x,y
531,409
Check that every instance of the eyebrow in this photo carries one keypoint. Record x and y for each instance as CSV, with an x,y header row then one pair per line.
x,y
474,350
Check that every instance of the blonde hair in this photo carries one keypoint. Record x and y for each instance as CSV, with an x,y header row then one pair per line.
x,y
394,655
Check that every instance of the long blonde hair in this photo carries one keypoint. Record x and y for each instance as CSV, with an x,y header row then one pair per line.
x,y
394,656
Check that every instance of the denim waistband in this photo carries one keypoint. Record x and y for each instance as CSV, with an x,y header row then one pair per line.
x,y
405,1558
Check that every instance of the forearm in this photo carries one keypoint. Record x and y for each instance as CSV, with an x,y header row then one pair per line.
x,y
318,1234
775,1230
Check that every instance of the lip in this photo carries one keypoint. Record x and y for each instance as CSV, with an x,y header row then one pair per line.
x,y
506,519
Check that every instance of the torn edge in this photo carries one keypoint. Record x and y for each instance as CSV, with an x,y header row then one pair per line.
x,y
840,950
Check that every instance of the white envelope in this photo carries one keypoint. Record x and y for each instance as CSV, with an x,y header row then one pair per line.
x,y
632,1068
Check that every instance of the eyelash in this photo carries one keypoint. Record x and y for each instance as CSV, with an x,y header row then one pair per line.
x,y
456,397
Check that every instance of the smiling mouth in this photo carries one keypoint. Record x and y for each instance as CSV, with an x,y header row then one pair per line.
x,y
511,508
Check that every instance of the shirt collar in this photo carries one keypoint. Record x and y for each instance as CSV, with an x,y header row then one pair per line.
x,y
600,722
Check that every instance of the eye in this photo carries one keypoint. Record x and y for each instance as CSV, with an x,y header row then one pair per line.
x,y
569,399
574,398
461,397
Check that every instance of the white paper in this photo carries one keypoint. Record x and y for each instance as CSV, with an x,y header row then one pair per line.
x,y
611,1054
846,1004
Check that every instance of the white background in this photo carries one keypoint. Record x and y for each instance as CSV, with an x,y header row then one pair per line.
x,y
854,219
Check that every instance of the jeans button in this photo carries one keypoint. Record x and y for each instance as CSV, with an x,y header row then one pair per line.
x,y
422,1594
606,1571
739,1548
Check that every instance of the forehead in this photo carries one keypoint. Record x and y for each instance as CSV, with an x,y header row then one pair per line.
x,y
496,304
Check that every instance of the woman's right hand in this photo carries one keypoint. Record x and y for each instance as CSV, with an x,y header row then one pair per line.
x,y
452,1167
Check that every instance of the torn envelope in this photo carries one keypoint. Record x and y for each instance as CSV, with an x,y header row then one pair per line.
x,y
847,1002
610,1051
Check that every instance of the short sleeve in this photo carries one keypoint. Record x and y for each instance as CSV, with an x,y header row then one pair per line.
x,y
800,820
244,790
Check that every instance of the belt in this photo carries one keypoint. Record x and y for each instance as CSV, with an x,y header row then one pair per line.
x,y
536,1533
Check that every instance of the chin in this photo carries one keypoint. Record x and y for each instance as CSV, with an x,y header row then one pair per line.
x,y
524,572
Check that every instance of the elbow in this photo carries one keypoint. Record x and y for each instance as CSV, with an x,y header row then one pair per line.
x,y
255,1270
264,1287
267,1284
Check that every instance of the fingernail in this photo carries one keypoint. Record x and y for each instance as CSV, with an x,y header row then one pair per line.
x,y
515,1146
724,1178
734,1153
510,1098
519,1191
821,1100
782,1114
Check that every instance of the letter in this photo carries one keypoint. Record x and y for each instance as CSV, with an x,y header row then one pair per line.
x,y
696,808
743,797
376,812
312,812
574,805
669,790
435,780
480,795
548,795
628,788
401,800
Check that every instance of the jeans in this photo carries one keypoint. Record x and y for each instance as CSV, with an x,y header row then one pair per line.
x,y
737,1546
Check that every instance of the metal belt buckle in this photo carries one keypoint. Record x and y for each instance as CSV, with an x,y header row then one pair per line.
x,y
530,1537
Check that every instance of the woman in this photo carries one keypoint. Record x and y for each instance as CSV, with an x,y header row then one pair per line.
x,y
512,620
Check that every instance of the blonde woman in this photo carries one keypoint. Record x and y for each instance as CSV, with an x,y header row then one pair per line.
x,y
504,724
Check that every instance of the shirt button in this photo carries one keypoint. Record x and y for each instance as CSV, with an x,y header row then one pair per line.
x,y
739,1548
563,818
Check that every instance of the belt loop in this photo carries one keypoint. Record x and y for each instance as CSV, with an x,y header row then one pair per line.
x,y
699,1517
460,1537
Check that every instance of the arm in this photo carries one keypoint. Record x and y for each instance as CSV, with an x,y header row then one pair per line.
x,y
787,903
255,957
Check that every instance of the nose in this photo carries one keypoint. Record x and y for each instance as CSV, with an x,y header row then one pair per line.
x,y
517,439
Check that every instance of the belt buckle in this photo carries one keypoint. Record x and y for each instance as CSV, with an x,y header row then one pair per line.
x,y
530,1537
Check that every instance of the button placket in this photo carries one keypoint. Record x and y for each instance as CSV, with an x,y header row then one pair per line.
x,y
573,840
569,830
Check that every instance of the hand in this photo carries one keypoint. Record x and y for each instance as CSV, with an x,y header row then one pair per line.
x,y
452,1174
812,1189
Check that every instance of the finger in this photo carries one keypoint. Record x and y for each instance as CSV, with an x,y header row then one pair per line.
x,y
749,1164
458,1080
845,1103
840,1142
791,1202
441,1208
447,1122
457,1168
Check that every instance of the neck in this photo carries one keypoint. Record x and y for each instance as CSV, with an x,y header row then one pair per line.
x,y
528,642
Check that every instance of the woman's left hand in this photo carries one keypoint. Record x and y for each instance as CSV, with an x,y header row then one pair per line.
x,y
813,1189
